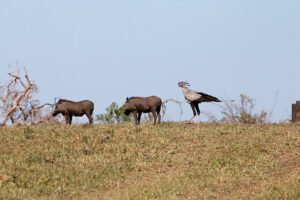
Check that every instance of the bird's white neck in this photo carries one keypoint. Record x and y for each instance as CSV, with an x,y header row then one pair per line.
x,y
184,89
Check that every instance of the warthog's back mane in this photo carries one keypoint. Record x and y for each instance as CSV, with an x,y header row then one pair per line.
x,y
140,97
66,100
69,101
137,98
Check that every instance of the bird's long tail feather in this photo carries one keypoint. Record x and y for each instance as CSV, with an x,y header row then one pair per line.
x,y
227,101
209,98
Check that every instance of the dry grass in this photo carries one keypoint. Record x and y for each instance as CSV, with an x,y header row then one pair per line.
x,y
168,161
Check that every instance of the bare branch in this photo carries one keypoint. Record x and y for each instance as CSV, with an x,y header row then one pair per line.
x,y
46,104
25,116
4,86
17,77
2,99
164,108
26,76
18,96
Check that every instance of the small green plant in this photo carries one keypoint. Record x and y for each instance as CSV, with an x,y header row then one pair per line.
x,y
114,113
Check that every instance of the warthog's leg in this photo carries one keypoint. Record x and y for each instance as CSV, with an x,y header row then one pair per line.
x,y
154,116
158,114
67,118
70,119
89,117
159,117
139,117
135,117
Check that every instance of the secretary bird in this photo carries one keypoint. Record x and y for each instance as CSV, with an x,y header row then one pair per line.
x,y
194,98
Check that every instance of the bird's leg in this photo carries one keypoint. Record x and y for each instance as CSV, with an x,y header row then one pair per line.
x,y
189,121
194,112
198,123
198,113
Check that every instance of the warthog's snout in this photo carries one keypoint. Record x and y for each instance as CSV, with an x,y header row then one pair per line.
x,y
127,112
54,113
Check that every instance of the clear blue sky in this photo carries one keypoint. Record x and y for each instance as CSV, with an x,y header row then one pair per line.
x,y
108,50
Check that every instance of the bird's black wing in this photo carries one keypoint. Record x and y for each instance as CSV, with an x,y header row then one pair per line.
x,y
207,98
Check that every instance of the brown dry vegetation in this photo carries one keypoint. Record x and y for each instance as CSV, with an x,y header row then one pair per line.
x,y
167,161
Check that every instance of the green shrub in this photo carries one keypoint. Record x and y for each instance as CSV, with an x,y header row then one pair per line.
x,y
114,113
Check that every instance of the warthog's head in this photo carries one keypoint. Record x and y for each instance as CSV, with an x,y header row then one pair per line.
x,y
127,107
59,108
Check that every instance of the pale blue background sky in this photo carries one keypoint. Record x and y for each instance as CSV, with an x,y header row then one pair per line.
x,y
107,50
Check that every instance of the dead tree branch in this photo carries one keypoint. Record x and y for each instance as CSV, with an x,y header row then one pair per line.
x,y
19,95
164,108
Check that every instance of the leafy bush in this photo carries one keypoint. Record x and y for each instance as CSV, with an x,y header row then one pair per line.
x,y
114,113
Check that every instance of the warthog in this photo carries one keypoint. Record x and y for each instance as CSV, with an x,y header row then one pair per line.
x,y
71,108
139,105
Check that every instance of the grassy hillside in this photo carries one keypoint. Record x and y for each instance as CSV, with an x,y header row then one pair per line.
x,y
168,161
